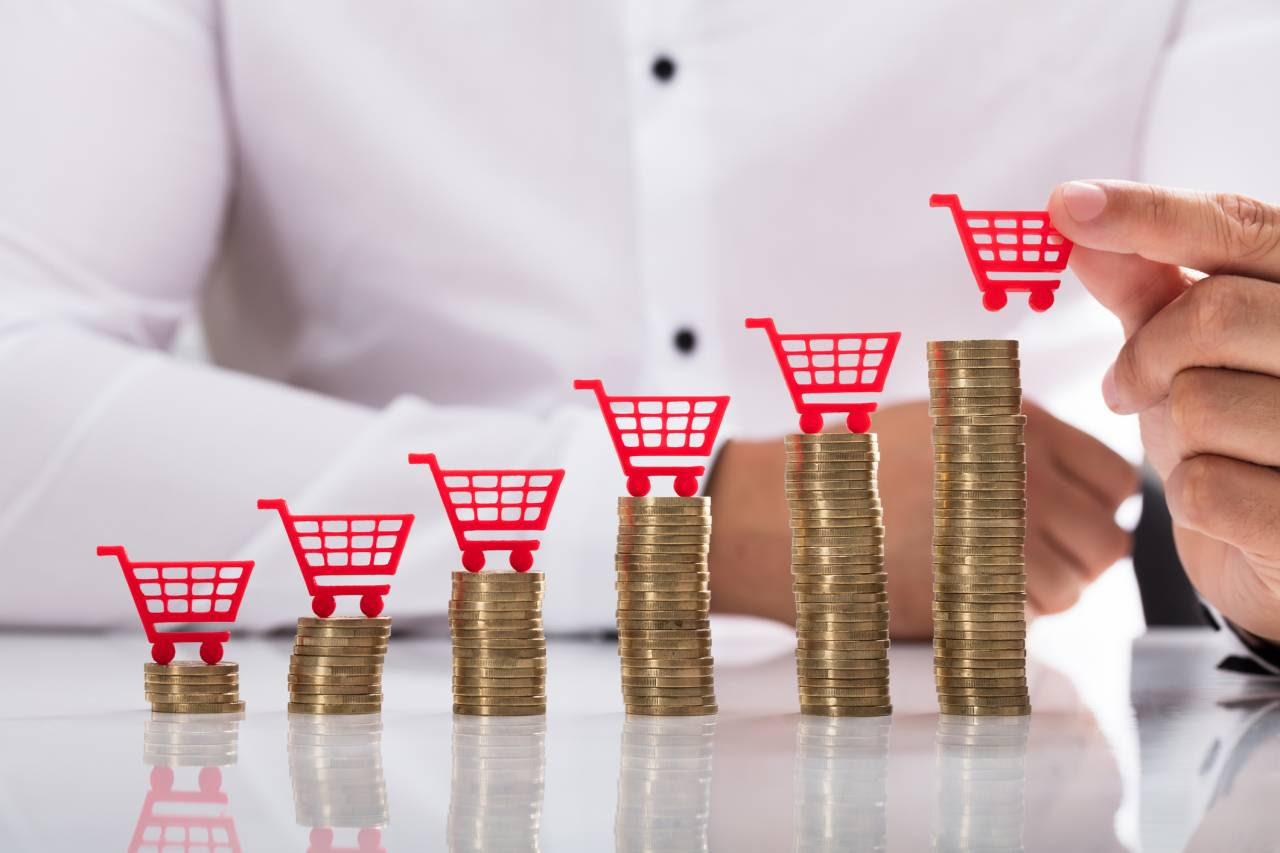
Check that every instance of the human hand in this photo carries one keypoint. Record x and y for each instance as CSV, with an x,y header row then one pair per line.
x,y
1074,485
1193,278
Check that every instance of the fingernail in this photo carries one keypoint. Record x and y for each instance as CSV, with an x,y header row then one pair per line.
x,y
1084,201
1110,395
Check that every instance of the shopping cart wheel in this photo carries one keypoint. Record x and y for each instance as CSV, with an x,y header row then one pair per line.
x,y
858,421
638,485
321,839
811,422
209,780
994,300
211,651
162,652
370,604
686,485
522,559
161,780
323,605
369,839
1041,300
473,559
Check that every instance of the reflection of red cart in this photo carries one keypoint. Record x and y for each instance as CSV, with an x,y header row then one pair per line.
x,y
184,592
185,820
331,546
659,426
494,500
1009,242
368,840
831,364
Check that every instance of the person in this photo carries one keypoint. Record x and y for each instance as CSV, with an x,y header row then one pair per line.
x,y
408,227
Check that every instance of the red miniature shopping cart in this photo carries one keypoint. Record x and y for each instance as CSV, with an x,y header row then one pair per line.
x,y
368,840
196,821
344,546
494,500
1006,243
653,427
829,364
169,592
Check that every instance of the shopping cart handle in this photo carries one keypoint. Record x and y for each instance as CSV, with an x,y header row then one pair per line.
x,y
588,385
112,551
422,459
950,200
273,503
765,323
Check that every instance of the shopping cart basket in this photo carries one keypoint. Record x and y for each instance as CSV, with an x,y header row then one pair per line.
x,y
168,592
344,546
831,364
498,499
1008,242
196,821
659,427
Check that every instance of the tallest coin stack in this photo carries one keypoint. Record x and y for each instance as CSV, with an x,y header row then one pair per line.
x,y
979,528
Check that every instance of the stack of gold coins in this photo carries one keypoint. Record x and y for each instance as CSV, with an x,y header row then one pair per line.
x,y
664,604
335,765
981,783
499,651
336,667
193,687
499,773
837,566
841,784
979,527
664,785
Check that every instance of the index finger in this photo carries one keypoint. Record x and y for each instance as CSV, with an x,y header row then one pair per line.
x,y
1216,233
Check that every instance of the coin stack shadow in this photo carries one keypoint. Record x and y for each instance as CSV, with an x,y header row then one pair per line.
x,y
979,528
664,605
981,779
193,687
664,785
499,772
842,774
335,765
837,567
191,740
336,666
499,651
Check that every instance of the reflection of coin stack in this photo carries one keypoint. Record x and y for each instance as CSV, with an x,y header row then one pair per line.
x,y
664,785
336,667
335,764
192,740
664,603
979,527
499,652
837,563
498,771
842,771
981,776
193,687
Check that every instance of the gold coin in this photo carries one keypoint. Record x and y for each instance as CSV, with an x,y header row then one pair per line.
x,y
854,638
944,615
993,517
866,648
681,662
364,644
218,697
971,711
499,578
629,671
970,657
797,458
802,439
341,699
197,707
975,410
301,690
667,702
345,622
957,607
836,505
500,646
512,681
190,667
866,535
480,691
656,539
980,560
843,701
978,631
815,693
315,708
529,602
663,579
952,347
628,549
640,626
866,568
344,633
993,372
869,591
820,636
830,611
471,710
531,653
674,588
650,645
489,673
845,524
880,711
161,682
365,681
950,644
334,653
693,681
943,587
463,634
643,656
980,683
639,695
299,666
488,606
683,571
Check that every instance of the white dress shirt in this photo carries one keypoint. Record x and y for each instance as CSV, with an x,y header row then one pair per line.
x,y
407,226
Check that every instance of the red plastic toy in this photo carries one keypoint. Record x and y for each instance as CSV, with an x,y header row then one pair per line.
x,y
329,546
184,592
1006,242
496,499
831,364
659,427
185,820
368,840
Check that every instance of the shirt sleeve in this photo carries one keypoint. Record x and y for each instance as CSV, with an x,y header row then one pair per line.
x,y
115,169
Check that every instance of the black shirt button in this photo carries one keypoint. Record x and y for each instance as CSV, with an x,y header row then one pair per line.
x,y
664,68
685,341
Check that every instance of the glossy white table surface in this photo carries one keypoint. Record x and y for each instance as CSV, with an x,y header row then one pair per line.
x,y
1180,755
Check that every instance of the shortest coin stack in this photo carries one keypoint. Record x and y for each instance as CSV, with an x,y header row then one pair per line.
x,y
499,651
664,603
336,667
193,687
